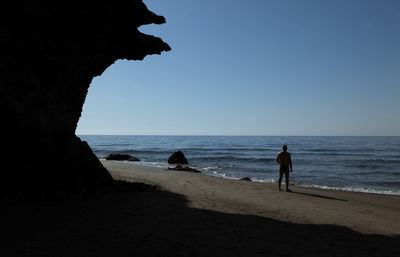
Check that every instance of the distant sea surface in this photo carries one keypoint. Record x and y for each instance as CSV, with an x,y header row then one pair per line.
x,y
363,164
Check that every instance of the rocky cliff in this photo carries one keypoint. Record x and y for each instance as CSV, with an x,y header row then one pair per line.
x,y
50,52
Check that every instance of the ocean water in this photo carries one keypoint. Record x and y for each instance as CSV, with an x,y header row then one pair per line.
x,y
363,164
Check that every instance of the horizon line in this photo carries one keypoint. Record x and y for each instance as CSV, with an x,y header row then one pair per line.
x,y
236,135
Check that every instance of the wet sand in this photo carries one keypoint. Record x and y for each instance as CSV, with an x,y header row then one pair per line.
x,y
197,215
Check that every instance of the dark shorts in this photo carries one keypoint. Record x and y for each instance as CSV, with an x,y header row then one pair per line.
x,y
284,168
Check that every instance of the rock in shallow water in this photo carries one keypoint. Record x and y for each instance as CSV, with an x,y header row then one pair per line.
x,y
246,179
177,158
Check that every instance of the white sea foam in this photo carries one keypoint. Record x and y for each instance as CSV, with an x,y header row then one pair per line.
x,y
163,165
354,189
338,188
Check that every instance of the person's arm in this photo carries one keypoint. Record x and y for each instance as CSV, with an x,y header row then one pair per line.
x,y
290,163
277,158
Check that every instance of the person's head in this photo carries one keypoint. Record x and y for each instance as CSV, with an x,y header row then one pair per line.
x,y
284,148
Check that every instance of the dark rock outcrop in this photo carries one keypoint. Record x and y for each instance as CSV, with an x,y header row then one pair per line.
x,y
50,52
177,158
184,168
121,157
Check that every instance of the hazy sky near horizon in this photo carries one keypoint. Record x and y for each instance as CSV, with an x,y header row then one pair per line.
x,y
257,67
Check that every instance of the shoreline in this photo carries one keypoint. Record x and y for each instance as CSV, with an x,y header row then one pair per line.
x,y
363,212
302,184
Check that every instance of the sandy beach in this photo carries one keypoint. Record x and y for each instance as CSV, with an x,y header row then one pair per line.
x,y
196,215
365,213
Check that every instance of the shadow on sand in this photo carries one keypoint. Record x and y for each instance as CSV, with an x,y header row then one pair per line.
x,y
319,196
159,223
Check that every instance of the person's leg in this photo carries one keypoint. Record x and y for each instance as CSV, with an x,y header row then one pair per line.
x,y
287,180
280,179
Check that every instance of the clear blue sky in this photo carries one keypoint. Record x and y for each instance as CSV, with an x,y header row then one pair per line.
x,y
257,67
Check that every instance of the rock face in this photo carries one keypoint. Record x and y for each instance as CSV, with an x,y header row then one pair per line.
x,y
50,52
177,158
122,157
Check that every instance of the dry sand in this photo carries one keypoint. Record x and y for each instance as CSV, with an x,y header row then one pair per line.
x,y
197,215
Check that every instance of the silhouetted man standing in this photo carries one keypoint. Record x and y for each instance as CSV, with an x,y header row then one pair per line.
x,y
285,162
